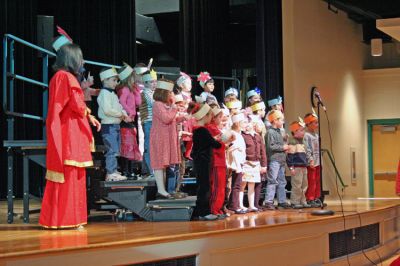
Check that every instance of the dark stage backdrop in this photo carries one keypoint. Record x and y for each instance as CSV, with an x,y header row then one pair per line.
x,y
269,59
204,39
104,29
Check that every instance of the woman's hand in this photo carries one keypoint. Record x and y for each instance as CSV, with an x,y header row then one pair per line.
x,y
94,122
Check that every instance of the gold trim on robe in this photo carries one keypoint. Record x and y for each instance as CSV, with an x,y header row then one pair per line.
x,y
60,227
55,176
78,164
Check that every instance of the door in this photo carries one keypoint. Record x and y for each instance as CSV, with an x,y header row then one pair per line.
x,y
385,154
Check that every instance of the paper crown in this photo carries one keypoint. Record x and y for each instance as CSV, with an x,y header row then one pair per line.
x,y
231,91
251,93
178,98
277,100
183,77
296,125
310,118
274,114
202,111
165,85
140,70
237,118
108,73
150,76
234,105
126,72
216,110
62,40
258,106
199,99
203,77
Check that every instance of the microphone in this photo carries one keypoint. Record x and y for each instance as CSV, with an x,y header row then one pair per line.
x,y
318,96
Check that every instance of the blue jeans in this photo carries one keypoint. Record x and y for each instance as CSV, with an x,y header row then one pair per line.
x,y
276,182
111,139
146,152
172,174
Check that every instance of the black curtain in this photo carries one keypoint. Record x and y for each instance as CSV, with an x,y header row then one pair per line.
x,y
104,29
204,39
269,60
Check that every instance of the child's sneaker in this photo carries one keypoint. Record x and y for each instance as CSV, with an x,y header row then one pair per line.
x,y
284,205
115,177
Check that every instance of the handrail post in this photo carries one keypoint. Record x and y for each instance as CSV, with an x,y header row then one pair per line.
x,y
10,120
45,73
5,42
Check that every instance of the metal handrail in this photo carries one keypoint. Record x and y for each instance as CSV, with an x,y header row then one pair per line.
x,y
334,166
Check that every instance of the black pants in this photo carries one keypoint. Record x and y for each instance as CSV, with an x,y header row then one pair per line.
x,y
202,170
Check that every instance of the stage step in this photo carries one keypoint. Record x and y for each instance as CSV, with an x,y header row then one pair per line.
x,y
188,201
138,196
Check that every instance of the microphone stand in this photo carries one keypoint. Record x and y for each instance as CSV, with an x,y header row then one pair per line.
x,y
322,211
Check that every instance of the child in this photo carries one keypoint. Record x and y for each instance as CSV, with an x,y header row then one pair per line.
x,y
231,95
203,144
274,104
111,114
218,166
297,161
184,83
164,144
236,154
129,97
258,109
313,170
276,148
254,166
253,96
207,83
149,79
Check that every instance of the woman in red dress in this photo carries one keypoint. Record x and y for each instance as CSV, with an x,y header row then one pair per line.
x,y
69,144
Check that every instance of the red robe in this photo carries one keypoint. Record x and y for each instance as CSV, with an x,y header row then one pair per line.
x,y
69,146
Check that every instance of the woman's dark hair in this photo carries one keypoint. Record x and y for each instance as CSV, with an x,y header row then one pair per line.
x,y
69,58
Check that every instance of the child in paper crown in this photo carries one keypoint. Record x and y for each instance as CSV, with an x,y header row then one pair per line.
x,y
164,143
276,149
253,96
297,161
236,157
218,165
111,114
254,166
313,170
129,97
149,79
175,172
207,83
274,104
184,83
231,95
203,144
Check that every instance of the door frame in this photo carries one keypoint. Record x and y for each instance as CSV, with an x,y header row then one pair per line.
x,y
371,123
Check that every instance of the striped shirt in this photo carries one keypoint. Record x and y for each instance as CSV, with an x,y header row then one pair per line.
x,y
146,108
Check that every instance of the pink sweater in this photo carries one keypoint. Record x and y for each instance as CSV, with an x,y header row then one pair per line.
x,y
130,100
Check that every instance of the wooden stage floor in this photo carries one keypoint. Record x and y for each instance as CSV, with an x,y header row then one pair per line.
x,y
20,239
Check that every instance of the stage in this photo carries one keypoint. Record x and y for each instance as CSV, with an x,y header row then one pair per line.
x,y
286,237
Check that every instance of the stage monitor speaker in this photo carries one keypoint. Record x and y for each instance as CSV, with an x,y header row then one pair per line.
x,y
45,28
